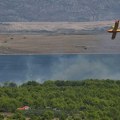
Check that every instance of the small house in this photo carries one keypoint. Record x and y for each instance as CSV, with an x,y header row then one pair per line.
x,y
24,108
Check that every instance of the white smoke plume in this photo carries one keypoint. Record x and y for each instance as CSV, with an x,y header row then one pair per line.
x,y
20,69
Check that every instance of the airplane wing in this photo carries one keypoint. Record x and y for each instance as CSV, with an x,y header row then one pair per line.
x,y
116,26
118,30
114,35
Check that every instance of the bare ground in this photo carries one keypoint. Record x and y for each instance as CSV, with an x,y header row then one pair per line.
x,y
46,44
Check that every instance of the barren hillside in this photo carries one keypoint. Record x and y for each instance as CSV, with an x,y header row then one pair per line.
x,y
59,10
54,27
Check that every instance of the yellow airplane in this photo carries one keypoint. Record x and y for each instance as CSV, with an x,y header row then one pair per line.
x,y
115,29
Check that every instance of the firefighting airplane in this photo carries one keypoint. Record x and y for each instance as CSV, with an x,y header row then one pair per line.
x,y
115,29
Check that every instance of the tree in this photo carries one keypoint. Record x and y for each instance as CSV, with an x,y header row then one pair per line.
x,y
48,115
30,83
18,115
12,84
1,117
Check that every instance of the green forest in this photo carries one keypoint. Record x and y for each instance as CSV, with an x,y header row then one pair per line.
x,y
61,100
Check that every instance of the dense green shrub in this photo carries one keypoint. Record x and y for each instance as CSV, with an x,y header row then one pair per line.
x,y
66,100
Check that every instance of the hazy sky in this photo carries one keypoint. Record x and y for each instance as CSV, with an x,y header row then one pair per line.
x,y
59,67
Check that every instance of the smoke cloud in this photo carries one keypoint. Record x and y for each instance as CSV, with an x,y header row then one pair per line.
x,y
59,67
